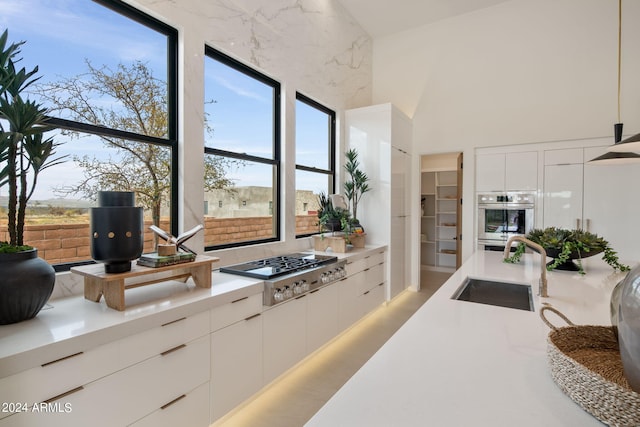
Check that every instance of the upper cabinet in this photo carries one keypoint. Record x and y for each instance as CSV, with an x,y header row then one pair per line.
x,y
516,171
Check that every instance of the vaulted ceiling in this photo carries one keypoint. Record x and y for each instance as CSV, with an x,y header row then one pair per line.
x,y
383,17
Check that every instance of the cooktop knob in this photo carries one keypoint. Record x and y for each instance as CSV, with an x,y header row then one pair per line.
x,y
278,295
288,292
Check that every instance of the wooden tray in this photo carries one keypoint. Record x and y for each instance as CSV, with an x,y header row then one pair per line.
x,y
98,283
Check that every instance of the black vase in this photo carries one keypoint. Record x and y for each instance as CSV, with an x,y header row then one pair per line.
x,y
26,283
116,230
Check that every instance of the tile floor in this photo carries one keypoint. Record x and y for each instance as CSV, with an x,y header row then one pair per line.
x,y
299,394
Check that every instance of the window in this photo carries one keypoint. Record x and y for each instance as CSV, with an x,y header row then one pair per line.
x,y
115,136
242,153
315,160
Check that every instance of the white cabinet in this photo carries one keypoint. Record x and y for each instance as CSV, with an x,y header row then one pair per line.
x,y
137,375
578,194
362,290
130,394
185,410
236,353
563,188
382,136
322,316
284,337
517,171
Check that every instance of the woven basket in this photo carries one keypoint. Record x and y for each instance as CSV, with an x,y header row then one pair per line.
x,y
585,363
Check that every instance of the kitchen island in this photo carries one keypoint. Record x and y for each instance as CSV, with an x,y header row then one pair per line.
x,y
459,363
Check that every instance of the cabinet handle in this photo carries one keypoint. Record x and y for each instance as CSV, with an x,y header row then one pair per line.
x,y
171,350
314,291
174,321
252,317
301,296
63,358
366,292
65,394
239,299
166,405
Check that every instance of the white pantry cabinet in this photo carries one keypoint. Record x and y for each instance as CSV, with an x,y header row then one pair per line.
x,y
382,135
517,171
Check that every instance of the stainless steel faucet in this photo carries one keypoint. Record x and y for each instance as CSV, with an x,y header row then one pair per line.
x,y
542,289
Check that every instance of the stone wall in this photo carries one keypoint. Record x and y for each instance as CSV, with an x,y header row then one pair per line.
x,y
62,243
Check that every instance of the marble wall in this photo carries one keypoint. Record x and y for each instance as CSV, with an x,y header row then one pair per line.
x,y
309,46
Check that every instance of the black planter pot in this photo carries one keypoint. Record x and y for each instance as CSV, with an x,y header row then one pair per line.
x,y
26,283
116,231
569,265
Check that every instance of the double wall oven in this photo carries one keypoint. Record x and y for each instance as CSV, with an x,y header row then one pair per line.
x,y
502,215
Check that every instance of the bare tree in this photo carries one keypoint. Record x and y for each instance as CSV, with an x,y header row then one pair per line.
x,y
137,103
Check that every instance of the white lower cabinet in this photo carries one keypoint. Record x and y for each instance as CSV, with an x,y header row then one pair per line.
x,y
322,317
284,337
128,395
236,364
185,410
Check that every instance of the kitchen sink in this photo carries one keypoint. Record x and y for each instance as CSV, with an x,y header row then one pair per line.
x,y
502,294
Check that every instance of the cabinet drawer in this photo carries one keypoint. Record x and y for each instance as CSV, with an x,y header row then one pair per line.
x,y
372,299
127,395
235,311
58,376
373,276
191,409
138,347
374,259
356,266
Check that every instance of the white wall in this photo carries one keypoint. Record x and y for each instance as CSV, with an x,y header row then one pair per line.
x,y
518,72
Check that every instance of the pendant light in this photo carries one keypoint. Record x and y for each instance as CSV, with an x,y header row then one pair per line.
x,y
618,153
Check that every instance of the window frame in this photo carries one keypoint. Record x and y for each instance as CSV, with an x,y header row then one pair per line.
x,y
332,148
275,162
128,11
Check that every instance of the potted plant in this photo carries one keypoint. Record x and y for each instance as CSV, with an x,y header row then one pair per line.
x,y
329,217
564,246
357,183
27,281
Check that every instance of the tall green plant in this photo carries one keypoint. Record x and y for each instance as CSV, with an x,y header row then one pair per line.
x,y
24,152
357,183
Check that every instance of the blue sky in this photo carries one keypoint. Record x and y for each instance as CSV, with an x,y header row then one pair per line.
x,y
61,35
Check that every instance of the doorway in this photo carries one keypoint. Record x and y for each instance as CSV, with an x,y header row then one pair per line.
x,y
441,217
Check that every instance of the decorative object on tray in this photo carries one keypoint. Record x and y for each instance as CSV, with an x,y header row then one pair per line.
x,y
116,230
585,363
168,254
567,245
627,322
27,281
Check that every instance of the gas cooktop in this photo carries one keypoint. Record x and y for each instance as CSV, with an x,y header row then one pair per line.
x,y
269,268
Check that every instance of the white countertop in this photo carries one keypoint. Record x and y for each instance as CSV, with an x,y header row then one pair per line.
x,y
457,363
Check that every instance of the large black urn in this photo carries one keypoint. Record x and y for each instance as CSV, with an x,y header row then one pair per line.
x,y
116,230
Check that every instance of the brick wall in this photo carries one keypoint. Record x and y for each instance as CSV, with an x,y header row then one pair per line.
x,y
60,243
